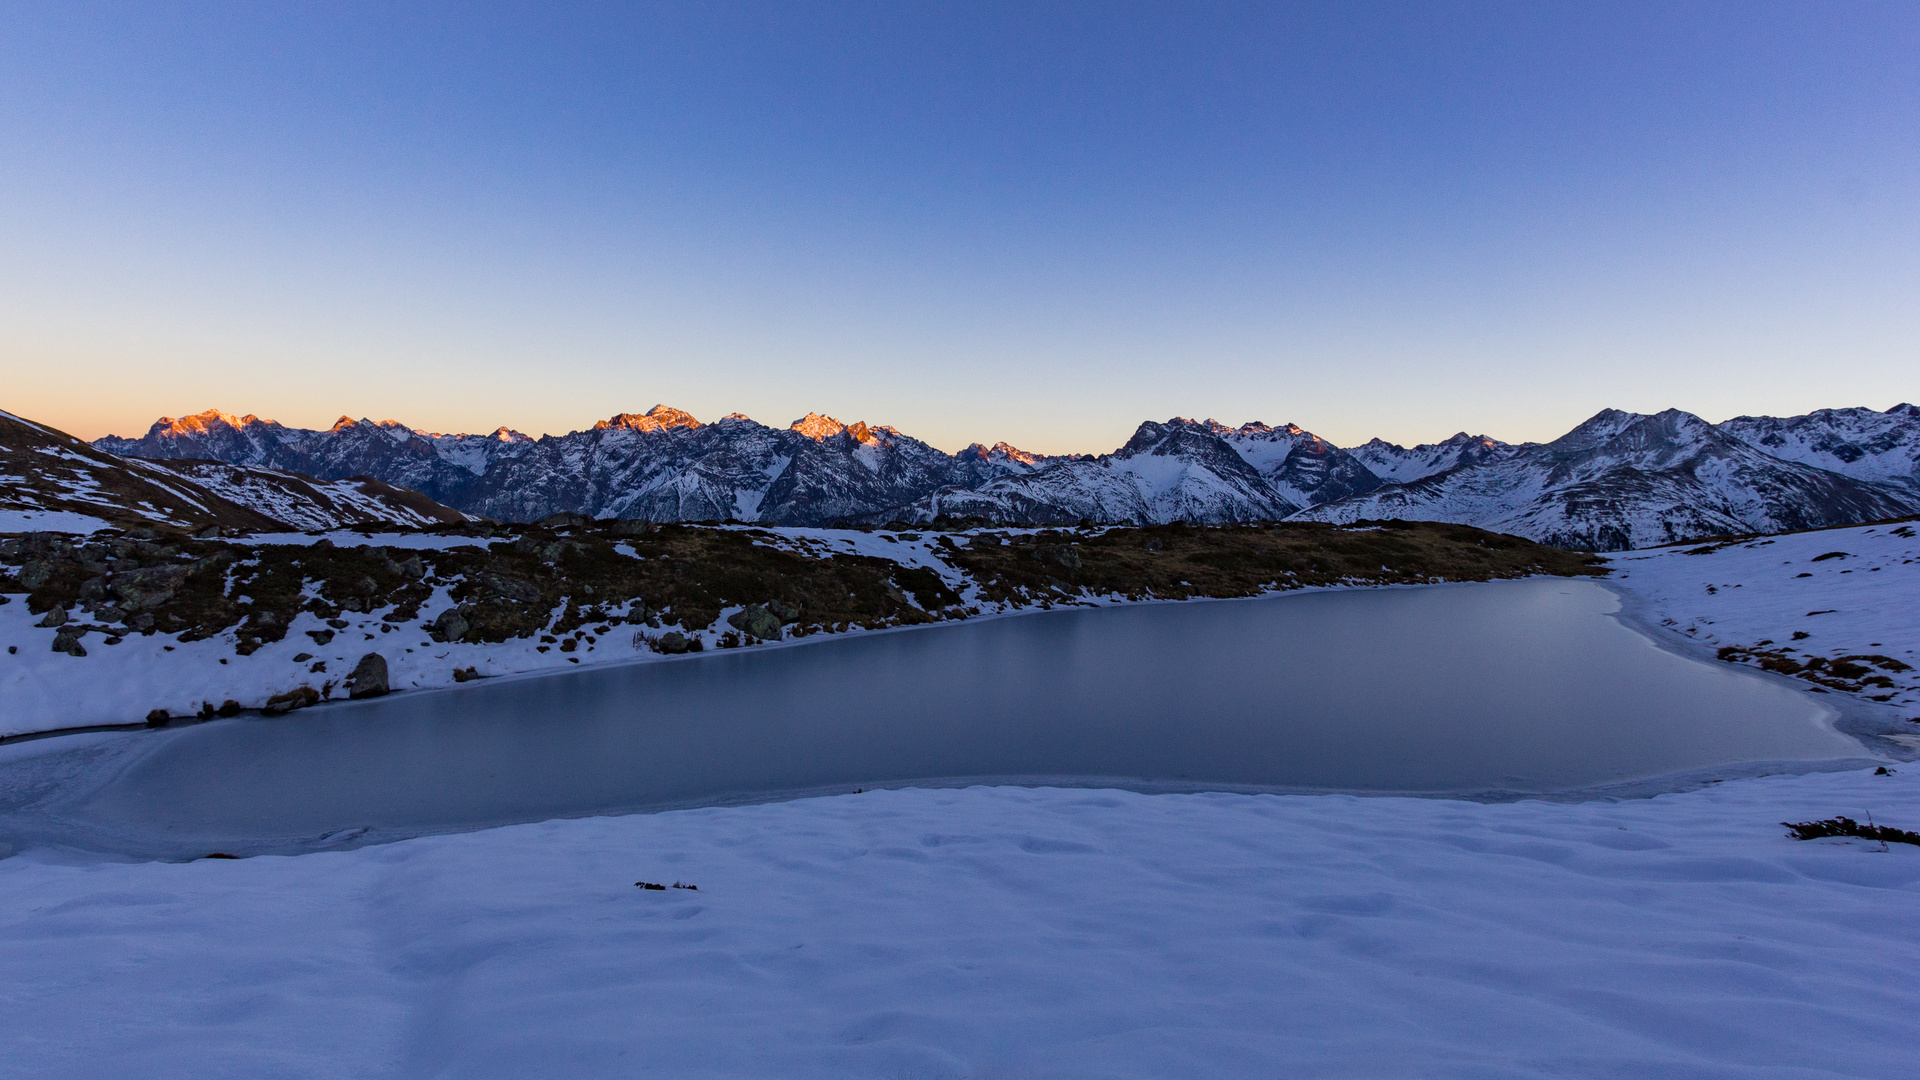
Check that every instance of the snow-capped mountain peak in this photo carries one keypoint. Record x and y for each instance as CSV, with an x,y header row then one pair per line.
x,y
1405,464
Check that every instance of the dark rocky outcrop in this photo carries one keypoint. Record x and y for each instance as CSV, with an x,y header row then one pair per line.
x,y
369,677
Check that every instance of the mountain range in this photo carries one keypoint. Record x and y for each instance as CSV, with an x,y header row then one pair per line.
x,y
1617,481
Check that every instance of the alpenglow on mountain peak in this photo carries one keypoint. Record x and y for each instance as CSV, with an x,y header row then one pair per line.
x,y
658,418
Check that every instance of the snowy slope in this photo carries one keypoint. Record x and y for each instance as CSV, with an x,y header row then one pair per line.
x,y
1000,932
1624,480
1303,468
51,481
1860,443
1833,594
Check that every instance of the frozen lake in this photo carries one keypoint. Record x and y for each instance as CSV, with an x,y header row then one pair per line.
x,y
1510,687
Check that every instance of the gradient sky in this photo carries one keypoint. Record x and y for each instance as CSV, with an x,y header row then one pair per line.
x,y
1033,222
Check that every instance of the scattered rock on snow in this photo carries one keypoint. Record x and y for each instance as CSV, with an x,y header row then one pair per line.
x,y
755,620
68,641
369,678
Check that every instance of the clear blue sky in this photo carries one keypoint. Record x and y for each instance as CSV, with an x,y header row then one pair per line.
x,y
1027,221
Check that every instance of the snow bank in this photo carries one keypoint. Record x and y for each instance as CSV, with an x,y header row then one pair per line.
x,y
66,521
1005,932
1861,601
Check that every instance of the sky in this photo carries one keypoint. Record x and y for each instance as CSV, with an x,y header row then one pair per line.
x,y
1032,222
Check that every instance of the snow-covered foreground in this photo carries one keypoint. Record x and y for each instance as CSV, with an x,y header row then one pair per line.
x,y
998,932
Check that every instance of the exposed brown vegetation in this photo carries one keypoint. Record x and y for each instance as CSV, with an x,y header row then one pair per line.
x,y
570,581
1180,561
1853,674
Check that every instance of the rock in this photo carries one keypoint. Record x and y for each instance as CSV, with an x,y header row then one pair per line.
x,y
297,698
756,620
214,561
450,626
301,658
465,674
320,637
510,588
211,532
93,589
36,573
158,718
54,617
144,590
369,678
68,641
1058,554
672,642
787,612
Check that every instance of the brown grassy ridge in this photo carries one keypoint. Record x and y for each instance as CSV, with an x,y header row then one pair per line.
x,y
686,575
1182,561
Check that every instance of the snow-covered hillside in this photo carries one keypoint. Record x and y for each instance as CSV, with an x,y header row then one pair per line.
x,y
1860,443
51,481
1837,607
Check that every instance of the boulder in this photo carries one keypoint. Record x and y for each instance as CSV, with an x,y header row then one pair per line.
x,y
787,613
450,626
1058,554
54,617
144,590
320,637
510,588
36,573
756,620
673,641
67,640
369,678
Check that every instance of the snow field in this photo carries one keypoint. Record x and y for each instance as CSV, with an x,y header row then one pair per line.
x,y
1001,932
1866,601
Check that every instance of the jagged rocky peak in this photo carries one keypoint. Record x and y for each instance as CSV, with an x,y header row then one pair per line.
x,y
658,418
1000,452
817,427
820,428
200,422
